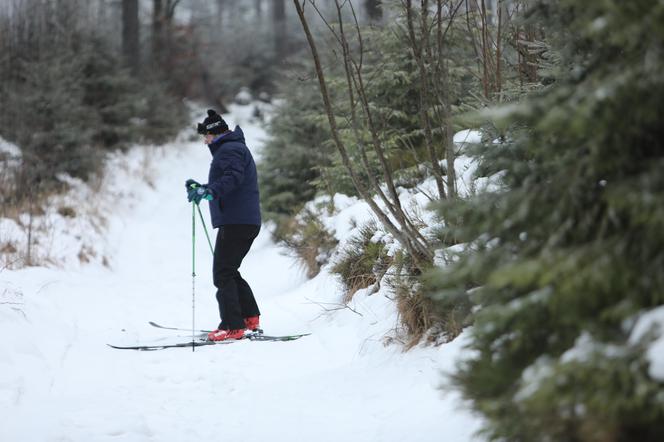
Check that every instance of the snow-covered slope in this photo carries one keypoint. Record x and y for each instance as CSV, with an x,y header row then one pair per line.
x,y
60,382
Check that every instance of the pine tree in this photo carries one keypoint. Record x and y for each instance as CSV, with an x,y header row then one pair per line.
x,y
292,157
568,254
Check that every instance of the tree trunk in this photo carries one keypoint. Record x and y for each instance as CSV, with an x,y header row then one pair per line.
x,y
162,19
279,23
258,9
442,72
221,9
420,50
374,10
130,36
157,32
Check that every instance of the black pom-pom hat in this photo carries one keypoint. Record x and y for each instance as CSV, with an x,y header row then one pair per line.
x,y
213,124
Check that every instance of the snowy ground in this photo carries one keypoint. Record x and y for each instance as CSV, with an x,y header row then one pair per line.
x,y
60,382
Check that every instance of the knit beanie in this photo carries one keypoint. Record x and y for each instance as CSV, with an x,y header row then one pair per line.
x,y
213,124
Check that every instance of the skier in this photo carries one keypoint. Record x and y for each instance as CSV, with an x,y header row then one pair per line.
x,y
232,192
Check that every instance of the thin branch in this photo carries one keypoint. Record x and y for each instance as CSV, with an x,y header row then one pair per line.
x,y
357,82
337,306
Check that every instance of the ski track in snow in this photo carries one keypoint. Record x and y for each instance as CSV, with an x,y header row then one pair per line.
x,y
60,382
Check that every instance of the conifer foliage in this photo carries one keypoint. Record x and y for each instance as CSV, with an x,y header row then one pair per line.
x,y
566,258
294,154
67,98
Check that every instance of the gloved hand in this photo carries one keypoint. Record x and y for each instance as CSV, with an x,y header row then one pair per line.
x,y
199,192
190,183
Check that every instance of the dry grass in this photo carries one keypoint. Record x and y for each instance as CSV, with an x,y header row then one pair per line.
x,y
362,263
306,237
67,211
423,316
424,319
417,314
86,254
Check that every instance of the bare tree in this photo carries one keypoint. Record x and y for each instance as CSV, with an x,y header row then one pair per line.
x,y
486,35
443,86
527,40
400,226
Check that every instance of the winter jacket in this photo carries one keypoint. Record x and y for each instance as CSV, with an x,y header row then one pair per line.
x,y
233,182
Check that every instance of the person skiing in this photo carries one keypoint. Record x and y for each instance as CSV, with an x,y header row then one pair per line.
x,y
232,192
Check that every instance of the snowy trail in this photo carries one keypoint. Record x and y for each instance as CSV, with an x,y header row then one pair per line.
x,y
59,381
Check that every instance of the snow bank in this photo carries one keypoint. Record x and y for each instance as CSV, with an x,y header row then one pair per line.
x,y
468,184
652,322
70,228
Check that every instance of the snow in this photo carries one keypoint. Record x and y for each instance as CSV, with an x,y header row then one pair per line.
x,y
60,382
648,326
468,136
8,148
243,97
468,184
586,346
652,321
10,154
533,376
71,231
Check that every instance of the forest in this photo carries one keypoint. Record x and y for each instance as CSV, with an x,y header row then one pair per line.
x,y
551,258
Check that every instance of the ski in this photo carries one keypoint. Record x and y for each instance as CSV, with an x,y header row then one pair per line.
x,y
262,337
202,342
154,324
162,347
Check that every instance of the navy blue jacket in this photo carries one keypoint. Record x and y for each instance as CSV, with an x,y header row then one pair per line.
x,y
233,182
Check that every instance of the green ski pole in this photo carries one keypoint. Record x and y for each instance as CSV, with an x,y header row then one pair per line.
x,y
205,229
193,275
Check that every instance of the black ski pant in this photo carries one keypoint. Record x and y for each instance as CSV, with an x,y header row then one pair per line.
x,y
235,298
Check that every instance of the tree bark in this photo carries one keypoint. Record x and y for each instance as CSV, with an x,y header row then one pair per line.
x,y
221,9
279,24
130,34
419,52
444,93
258,9
162,19
499,54
157,32
374,9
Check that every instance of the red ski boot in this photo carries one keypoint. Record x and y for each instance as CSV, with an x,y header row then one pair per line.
x,y
222,335
252,324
